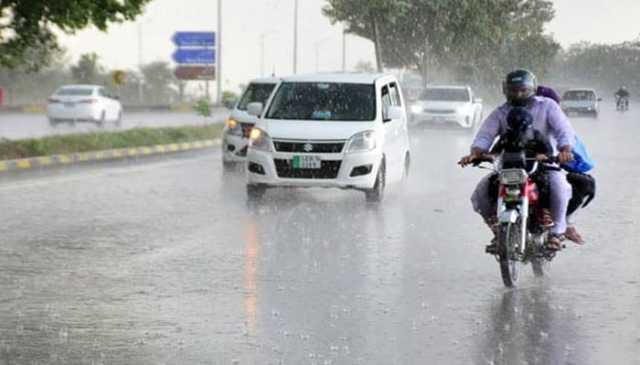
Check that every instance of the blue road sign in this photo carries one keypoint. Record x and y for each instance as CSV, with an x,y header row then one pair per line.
x,y
194,39
195,56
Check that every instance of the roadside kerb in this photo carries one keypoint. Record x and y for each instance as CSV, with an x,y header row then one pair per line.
x,y
104,155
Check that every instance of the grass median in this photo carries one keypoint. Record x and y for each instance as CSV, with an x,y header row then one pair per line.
x,y
72,143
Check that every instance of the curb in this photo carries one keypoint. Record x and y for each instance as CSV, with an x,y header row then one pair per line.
x,y
104,155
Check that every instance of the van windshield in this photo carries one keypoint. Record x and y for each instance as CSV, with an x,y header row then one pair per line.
x,y
579,95
255,93
73,91
442,94
324,101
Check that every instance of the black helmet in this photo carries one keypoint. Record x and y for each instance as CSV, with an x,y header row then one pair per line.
x,y
519,120
519,87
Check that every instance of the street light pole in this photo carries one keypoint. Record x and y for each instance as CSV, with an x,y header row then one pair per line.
x,y
295,37
219,56
140,92
344,49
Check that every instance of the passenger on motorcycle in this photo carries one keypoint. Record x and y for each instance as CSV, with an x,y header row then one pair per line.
x,y
622,96
519,89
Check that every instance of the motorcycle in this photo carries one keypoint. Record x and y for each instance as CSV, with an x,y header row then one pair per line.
x,y
622,103
521,233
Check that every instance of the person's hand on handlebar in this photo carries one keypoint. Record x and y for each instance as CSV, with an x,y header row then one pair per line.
x,y
475,155
565,155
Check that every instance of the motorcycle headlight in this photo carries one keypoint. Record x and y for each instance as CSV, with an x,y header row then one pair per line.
x,y
260,140
362,142
233,127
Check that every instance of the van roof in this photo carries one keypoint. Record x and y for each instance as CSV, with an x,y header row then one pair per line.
x,y
265,80
340,77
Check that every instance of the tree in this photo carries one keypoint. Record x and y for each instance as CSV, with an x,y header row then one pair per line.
x,y
159,82
88,70
26,27
463,35
364,66
605,66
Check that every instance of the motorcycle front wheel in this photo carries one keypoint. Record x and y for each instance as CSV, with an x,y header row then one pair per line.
x,y
508,239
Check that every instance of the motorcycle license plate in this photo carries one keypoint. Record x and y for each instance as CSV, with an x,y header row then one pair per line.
x,y
306,162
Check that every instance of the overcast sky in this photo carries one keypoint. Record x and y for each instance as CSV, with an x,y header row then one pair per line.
x,y
247,22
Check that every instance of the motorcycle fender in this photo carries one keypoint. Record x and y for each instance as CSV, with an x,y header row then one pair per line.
x,y
508,216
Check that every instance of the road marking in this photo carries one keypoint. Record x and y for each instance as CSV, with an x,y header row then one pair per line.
x,y
3,166
173,147
45,161
146,151
23,164
64,159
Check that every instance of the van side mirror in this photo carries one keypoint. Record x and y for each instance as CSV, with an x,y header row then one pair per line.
x,y
477,100
392,113
255,109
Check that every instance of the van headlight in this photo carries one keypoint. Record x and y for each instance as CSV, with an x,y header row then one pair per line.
x,y
233,127
362,142
260,140
415,109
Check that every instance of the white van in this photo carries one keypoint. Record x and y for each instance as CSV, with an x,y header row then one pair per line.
x,y
235,135
330,130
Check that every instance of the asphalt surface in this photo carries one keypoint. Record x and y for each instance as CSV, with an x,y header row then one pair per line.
x,y
30,125
164,262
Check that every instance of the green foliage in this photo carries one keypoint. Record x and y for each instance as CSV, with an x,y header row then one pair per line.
x,y
484,37
203,107
26,28
74,143
160,84
604,66
229,99
88,70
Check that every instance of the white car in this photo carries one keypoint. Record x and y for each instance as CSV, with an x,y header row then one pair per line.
x,y
447,105
581,101
235,135
84,103
344,131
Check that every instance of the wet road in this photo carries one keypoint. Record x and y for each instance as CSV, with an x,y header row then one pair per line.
x,y
28,125
163,262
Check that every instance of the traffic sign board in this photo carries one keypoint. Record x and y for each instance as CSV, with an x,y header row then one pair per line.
x,y
195,72
195,56
194,39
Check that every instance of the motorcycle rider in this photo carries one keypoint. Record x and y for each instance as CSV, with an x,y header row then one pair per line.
x,y
622,95
519,88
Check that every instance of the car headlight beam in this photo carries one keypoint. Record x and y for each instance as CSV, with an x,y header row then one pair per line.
x,y
362,142
260,140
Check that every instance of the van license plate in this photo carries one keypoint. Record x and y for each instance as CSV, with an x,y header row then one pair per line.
x,y
306,162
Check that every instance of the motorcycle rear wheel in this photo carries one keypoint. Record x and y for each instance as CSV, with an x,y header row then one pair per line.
x,y
508,237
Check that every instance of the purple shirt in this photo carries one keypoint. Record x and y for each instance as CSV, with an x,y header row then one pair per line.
x,y
548,118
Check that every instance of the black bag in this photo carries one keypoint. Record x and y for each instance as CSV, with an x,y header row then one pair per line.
x,y
584,190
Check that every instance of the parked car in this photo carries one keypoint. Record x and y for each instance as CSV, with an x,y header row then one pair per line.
x,y
344,131
447,105
235,135
581,101
84,103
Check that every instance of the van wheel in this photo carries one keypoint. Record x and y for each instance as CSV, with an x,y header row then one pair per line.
x,y
407,167
376,194
255,192
102,119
